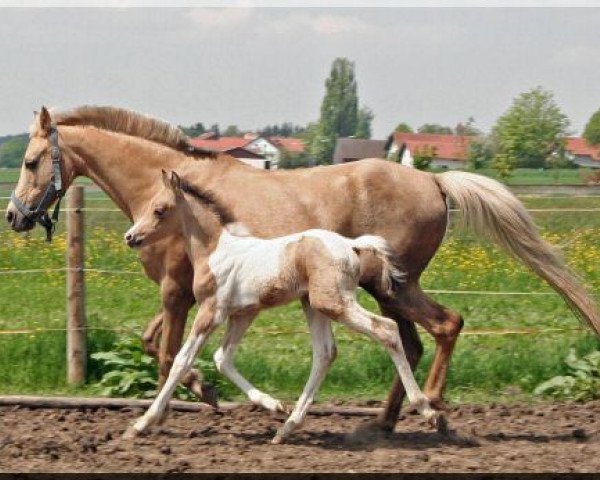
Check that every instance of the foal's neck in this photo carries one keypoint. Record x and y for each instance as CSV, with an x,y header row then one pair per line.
x,y
202,228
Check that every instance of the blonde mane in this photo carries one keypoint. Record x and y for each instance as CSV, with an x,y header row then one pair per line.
x,y
130,123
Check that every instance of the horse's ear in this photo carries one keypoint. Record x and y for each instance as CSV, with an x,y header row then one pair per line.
x,y
45,122
175,182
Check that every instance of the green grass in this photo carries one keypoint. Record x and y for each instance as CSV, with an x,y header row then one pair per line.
x,y
275,355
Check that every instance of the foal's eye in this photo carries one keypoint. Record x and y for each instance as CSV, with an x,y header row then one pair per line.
x,y
159,212
32,164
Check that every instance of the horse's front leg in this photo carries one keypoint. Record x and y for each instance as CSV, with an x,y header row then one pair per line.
x,y
205,322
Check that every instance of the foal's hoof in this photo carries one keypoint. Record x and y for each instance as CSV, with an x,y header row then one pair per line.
x,y
210,395
130,434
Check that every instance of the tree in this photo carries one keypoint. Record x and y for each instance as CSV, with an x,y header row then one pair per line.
x,y
291,160
592,129
480,153
435,128
530,132
364,121
403,128
468,129
13,150
232,131
194,130
339,110
423,156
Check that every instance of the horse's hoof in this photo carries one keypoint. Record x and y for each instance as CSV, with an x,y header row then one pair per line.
x,y
277,440
439,404
210,395
441,423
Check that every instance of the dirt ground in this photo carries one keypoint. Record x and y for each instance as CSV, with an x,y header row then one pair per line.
x,y
490,438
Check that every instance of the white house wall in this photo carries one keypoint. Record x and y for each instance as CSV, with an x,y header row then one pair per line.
x,y
264,147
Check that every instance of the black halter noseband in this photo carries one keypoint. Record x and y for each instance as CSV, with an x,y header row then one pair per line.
x,y
39,213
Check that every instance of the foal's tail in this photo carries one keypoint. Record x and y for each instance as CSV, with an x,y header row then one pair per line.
x,y
379,247
489,208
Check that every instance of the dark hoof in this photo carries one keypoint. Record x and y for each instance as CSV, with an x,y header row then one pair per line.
x,y
439,404
210,395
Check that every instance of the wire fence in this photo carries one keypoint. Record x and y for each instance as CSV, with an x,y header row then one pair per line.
x,y
111,218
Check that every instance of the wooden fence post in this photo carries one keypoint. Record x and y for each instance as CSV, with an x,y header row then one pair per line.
x,y
76,331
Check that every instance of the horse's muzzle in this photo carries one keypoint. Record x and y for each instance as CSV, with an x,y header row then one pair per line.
x,y
17,221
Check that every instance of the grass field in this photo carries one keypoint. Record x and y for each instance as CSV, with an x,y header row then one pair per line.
x,y
276,352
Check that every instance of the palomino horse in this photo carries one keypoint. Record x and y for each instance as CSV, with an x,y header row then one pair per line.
x,y
237,275
124,152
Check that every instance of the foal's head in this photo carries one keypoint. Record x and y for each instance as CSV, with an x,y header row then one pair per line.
x,y
161,219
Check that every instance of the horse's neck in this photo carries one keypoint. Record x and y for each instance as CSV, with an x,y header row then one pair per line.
x,y
126,168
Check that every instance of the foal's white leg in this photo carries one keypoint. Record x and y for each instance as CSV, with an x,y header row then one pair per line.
x,y
236,328
386,332
181,365
324,353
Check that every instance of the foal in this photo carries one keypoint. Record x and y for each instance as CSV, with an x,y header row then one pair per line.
x,y
241,275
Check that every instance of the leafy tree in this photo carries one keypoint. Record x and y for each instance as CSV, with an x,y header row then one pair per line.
x,y
435,128
286,129
530,132
480,153
504,165
403,128
232,131
13,150
423,156
215,129
291,160
364,121
339,110
592,129
194,130
468,128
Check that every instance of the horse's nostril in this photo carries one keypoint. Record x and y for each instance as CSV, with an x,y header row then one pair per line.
x,y
10,217
128,237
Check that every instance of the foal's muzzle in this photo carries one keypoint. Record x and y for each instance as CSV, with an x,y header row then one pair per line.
x,y
132,240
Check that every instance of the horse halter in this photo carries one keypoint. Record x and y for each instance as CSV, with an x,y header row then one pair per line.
x,y
39,213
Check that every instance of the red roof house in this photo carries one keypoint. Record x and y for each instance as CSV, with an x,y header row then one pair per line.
x,y
451,151
582,153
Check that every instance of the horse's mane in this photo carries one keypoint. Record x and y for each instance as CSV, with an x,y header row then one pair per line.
x,y
209,199
131,123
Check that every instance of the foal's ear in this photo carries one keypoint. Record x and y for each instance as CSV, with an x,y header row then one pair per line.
x,y
44,120
165,178
175,182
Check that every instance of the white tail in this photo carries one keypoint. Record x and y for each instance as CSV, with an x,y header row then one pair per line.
x,y
489,208
379,247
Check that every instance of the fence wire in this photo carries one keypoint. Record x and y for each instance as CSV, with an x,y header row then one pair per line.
x,y
103,217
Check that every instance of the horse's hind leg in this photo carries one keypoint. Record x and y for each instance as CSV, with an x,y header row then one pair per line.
x,y
324,352
444,325
151,336
224,356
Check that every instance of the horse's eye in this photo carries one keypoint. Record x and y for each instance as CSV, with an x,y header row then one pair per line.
x,y
159,212
32,164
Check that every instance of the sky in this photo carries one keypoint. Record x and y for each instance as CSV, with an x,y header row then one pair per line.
x,y
257,66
